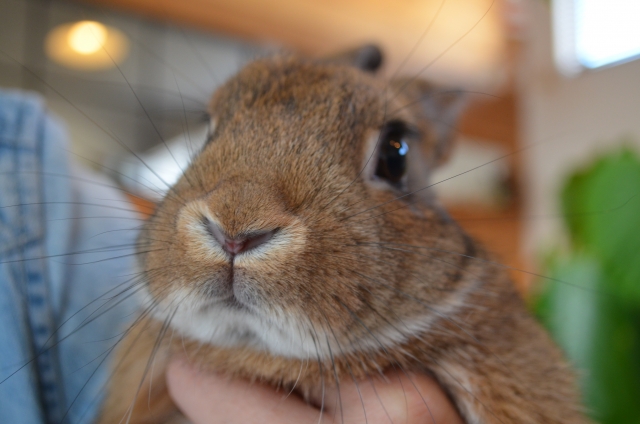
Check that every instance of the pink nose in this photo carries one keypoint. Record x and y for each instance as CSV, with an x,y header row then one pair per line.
x,y
233,246
240,244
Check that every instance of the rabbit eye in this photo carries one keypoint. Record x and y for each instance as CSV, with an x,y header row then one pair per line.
x,y
392,154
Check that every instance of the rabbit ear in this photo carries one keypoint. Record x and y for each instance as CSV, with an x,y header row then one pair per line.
x,y
441,107
367,58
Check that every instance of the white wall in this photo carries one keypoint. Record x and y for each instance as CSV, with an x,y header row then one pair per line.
x,y
565,122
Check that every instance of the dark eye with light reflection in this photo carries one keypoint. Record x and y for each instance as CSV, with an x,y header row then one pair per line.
x,y
392,153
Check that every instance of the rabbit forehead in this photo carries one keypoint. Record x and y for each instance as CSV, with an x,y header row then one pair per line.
x,y
290,96
281,80
292,121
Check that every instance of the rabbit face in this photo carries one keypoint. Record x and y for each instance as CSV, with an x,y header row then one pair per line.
x,y
289,232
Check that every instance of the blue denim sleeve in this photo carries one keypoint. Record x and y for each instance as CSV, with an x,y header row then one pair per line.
x,y
66,271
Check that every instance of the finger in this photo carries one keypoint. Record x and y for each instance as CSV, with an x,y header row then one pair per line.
x,y
400,398
213,399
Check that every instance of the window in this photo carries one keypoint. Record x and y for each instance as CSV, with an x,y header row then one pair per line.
x,y
595,33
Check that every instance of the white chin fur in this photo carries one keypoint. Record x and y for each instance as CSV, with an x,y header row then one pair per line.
x,y
224,326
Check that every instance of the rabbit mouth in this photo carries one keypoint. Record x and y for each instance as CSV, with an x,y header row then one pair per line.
x,y
233,303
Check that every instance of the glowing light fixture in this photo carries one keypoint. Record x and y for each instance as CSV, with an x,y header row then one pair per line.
x,y
87,37
86,45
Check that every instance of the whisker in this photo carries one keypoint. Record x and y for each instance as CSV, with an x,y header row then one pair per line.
x,y
78,253
199,56
314,338
445,92
429,186
161,334
445,51
488,261
346,361
146,113
83,113
418,42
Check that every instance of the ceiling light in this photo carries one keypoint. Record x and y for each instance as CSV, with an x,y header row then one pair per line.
x,y
86,45
87,37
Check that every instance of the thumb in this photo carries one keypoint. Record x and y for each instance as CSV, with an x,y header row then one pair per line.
x,y
212,399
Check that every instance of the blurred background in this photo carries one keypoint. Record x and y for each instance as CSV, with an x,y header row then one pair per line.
x,y
552,130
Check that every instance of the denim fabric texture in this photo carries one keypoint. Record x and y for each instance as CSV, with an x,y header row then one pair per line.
x,y
66,244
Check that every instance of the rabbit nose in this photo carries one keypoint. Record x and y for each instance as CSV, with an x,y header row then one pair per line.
x,y
233,246
240,244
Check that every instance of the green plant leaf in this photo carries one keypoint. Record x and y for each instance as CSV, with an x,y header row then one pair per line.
x,y
599,336
602,209
591,305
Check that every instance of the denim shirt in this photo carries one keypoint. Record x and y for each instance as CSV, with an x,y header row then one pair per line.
x,y
66,244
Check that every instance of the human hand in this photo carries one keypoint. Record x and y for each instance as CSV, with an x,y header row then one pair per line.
x,y
212,399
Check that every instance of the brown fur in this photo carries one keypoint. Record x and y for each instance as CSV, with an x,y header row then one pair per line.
x,y
287,152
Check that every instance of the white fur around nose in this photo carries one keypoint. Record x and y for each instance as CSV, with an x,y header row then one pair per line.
x,y
202,245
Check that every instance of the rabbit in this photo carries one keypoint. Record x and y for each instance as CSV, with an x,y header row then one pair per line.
x,y
303,246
